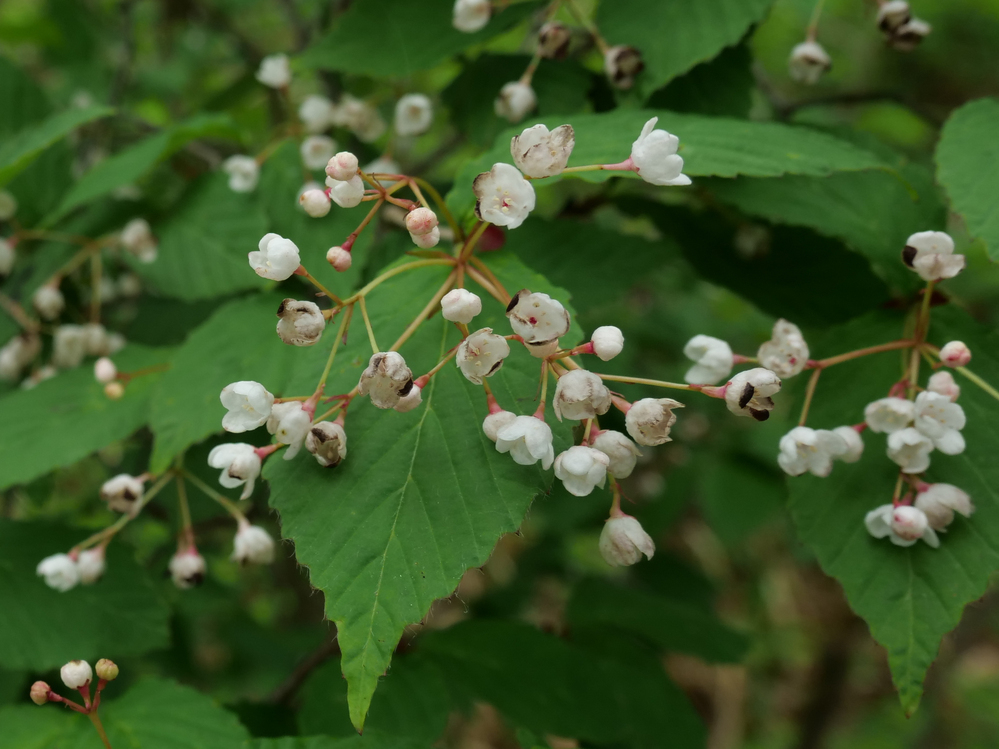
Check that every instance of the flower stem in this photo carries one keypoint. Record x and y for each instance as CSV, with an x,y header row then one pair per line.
x,y
832,360
99,727
340,333
121,522
469,246
643,381
367,324
979,381
364,291
487,285
231,507
440,203
813,381
813,24
315,282
186,526
425,312
488,273
348,243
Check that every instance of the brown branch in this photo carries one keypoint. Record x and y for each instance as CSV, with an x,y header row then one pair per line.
x,y
290,686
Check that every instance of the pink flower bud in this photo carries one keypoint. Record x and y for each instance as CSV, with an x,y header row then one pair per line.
x,y
104,370
421,221
40,692
955,354
315,203
342,166
339,258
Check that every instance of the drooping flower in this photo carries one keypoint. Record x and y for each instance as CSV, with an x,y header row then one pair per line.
x,y
931,255
316,151
528,440
622,453
346,193
503,196
413,114
315,202
274,71
712,357
649,420
910,449
889,414
248,403
327,440
300,323
902,525
243,171
386,379
240,465
854,444
553,40
581,469
943,382
941,420
60,572
749,393
786,353
137,237
496,421
808,62
252,545
187,568
316,113
49,302
91,565
539,153
893,15
289,423
276,258
471,15
655,159
481,355
515,100
123,493
580,394
69,346
909,35
941,501
622,64
360,117
810,450
460,305
623,541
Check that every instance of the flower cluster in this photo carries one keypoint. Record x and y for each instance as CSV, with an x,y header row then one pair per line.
x,y
78,676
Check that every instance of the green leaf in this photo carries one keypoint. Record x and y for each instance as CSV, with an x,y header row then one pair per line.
x,y
238,342
21,100
968,168
27,727
203,245
408,37
121,615
722,87
910,597
17,152
675,36
670,625
396,524
68,417
369,740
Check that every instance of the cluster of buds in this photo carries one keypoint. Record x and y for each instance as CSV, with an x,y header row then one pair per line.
x,y
78,676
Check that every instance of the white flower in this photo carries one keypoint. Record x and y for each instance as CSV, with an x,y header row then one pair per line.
x,y
908,36
17,353
360,117
515,100
410,400
903,525
931,255
96,339
539,153
316,151
91,565
339,258
536,317
553,40
315,202
7,257
580,394
249,405
316,113
854,444
649,420
122,493
277,258
274,71
941,420
243,171
748,393
910,449
955,354
342,167
346,193
941,501
712,359
496,421
300,323
76,674
8,206
428,240
608,342
621,64
481,355
240,465
623,541
69,346
105,371
809,450
892,15
889,414
413,114
655,159
528,440
460,305
386,379
621,451
943,383
786,353
327,440
187,568
137,237
503,196
60,572
289,423
252,545
471,15
420,221
581,469
808,62
49,301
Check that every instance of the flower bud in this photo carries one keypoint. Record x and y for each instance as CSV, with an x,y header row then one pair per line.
x,y
496,421
943,383
649,420
748,393
315,203
808,62
553,40
187,568
76,674
413,115
105,371
580,395
60,572
274,71
622,64
137,237
114,391
346,193
460,305
316,151
621,451
48,301
410,400
428,240
316,113
608,341
955,354
339,258
342,167
471,15
40,692
252,545
91,565
581,469
623,541
421,221
106,669
243,171
327,440
386,379
515,100
300,323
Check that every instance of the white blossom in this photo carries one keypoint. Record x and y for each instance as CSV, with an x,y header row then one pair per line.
x,y
17,353
410,400
902,525
515,100
786,353
60,572
249,405
69,346
91,565
908,36
137,237
528,439
579,395
316,151
931,255
346,193
893,15
76,674
623,541
622,453
910,449
854,444
748,393
941,420
889,414
808,62
539,153
327,440
316,113
471,15
8,206
460,305
481,355
289,423
252,545
943,382
955,354
941,501
536,317
386,379
243,171
240,465
649,420
49,301
360,117
809,450
123,493
300,323
581,469
655,159
274,71
496,421
608,342
621,64
413,114
503,196
428,240
712,357
187,568
7,257
105,371
277,258
315,202
342,167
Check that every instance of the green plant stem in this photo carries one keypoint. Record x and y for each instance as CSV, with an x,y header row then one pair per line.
x,y
813,381
367,325
344,325
364,291
121,522
833,360
425,312
315,282
99,727
231,507
643,381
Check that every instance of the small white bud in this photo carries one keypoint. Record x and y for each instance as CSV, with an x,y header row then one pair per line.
x,y
60,572
243,171
316,113
48,301
342,167
39,692
460,305
76,674
471,15
808,62
421,221
274,71
496,421
276,258
943,382
608,342
316,151
187,568
339,258
315,203
515,100
955,354
252,545
623,541
104,370
428,240
91,565
137,237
